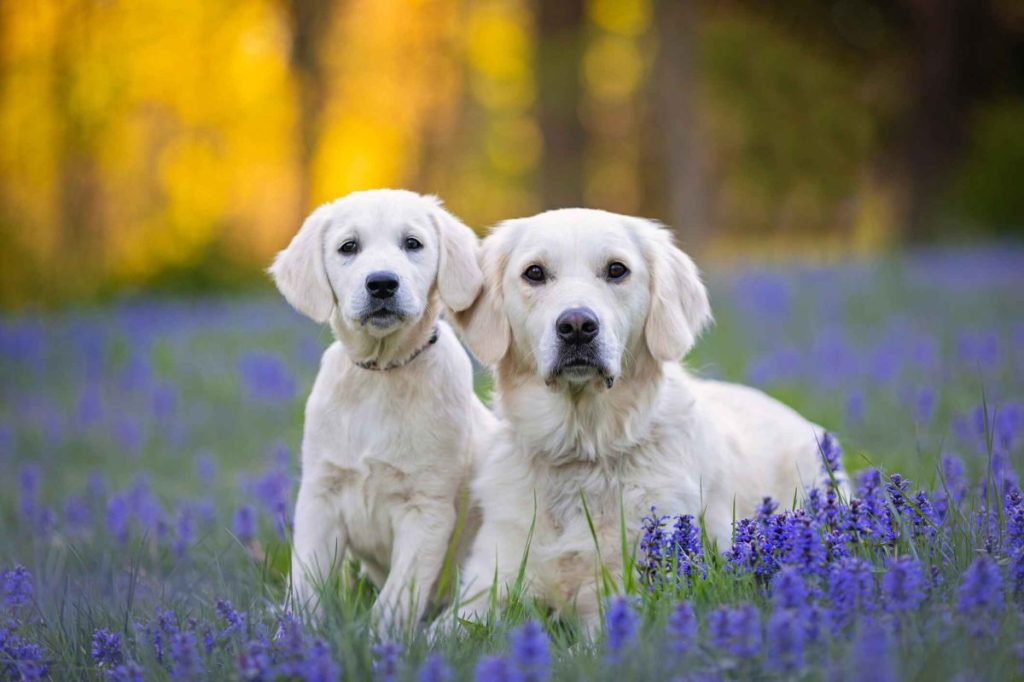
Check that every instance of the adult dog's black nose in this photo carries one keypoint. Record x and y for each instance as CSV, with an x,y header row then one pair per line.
x,y
382,284
577,326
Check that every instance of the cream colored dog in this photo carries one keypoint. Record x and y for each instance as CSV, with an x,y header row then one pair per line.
x,y
392,423
586,315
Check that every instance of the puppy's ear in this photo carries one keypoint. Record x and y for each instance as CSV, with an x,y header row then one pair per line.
x,y
299,271
680,309
459,278
484,324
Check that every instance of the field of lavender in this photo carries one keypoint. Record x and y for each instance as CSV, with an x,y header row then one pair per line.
x,y
149,458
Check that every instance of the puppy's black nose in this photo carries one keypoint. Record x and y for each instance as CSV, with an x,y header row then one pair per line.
x,y
577,326
382,284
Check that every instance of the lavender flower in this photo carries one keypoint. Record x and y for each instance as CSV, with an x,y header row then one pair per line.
x,y
186,663
254,661
107,648
620,625
903,585
385,661
495,669
682,628
434,669
245,524
17,587
736,630
872,655
980,596
126,672
851,589
319,666
529,652
785,642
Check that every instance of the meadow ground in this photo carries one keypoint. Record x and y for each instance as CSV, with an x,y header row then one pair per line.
x,y
148,451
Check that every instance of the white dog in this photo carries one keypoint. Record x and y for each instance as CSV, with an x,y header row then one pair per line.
x,y
586,315
392,423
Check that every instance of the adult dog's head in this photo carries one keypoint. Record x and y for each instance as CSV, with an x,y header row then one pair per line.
x,y
372,261
577,295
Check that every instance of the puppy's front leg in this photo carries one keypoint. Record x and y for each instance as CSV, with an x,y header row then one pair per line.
x,y
417,556
318,545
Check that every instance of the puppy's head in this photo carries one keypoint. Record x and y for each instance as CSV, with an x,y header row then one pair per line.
x,y
575,294
372,261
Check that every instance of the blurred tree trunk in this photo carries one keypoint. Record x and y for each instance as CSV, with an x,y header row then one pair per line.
x,y
948,39
560,43
310,22
79,198
678,122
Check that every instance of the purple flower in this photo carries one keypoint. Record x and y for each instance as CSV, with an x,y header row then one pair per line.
x,y
17,587
254,661
434,669
185,531
245,524
530,653
980,596
494,669
319,666
903,585
107,648
118,517
851,589
831,454
186,663
872,655
28,493
669,555
235,622
265,378
385,661
736,630
682,628
788,589
20,659
126,672
620,624
785,642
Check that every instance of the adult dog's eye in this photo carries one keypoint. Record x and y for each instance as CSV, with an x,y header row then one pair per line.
x,y
535,274
616,271
413,244
349,247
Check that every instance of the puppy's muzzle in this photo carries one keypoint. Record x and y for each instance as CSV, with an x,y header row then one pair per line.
x,y
382,284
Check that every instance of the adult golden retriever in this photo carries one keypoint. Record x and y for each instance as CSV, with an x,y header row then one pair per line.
x,y
586,315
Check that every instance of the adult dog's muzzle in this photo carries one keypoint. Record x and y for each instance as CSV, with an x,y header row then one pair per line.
x,y
579,354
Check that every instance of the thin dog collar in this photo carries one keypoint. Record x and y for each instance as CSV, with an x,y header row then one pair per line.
x,y
372,364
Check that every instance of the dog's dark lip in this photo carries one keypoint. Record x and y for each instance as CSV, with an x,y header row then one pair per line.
x,y
381,315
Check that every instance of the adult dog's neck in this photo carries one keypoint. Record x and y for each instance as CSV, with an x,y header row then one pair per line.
x,y
563,426
396,347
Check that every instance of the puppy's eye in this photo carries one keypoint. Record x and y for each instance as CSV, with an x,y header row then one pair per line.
x,y
616,271
349,247
413,244
535,274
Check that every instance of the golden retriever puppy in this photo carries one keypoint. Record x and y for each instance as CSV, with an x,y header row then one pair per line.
x,y
586,315
392,425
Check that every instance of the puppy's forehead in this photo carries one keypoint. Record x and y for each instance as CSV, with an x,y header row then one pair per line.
x,y
377,210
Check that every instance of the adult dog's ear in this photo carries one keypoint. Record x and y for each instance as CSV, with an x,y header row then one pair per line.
x,y
299,271
484,324
680,309
459,278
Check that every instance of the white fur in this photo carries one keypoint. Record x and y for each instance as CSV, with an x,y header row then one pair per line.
x,y
385,454
658,436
